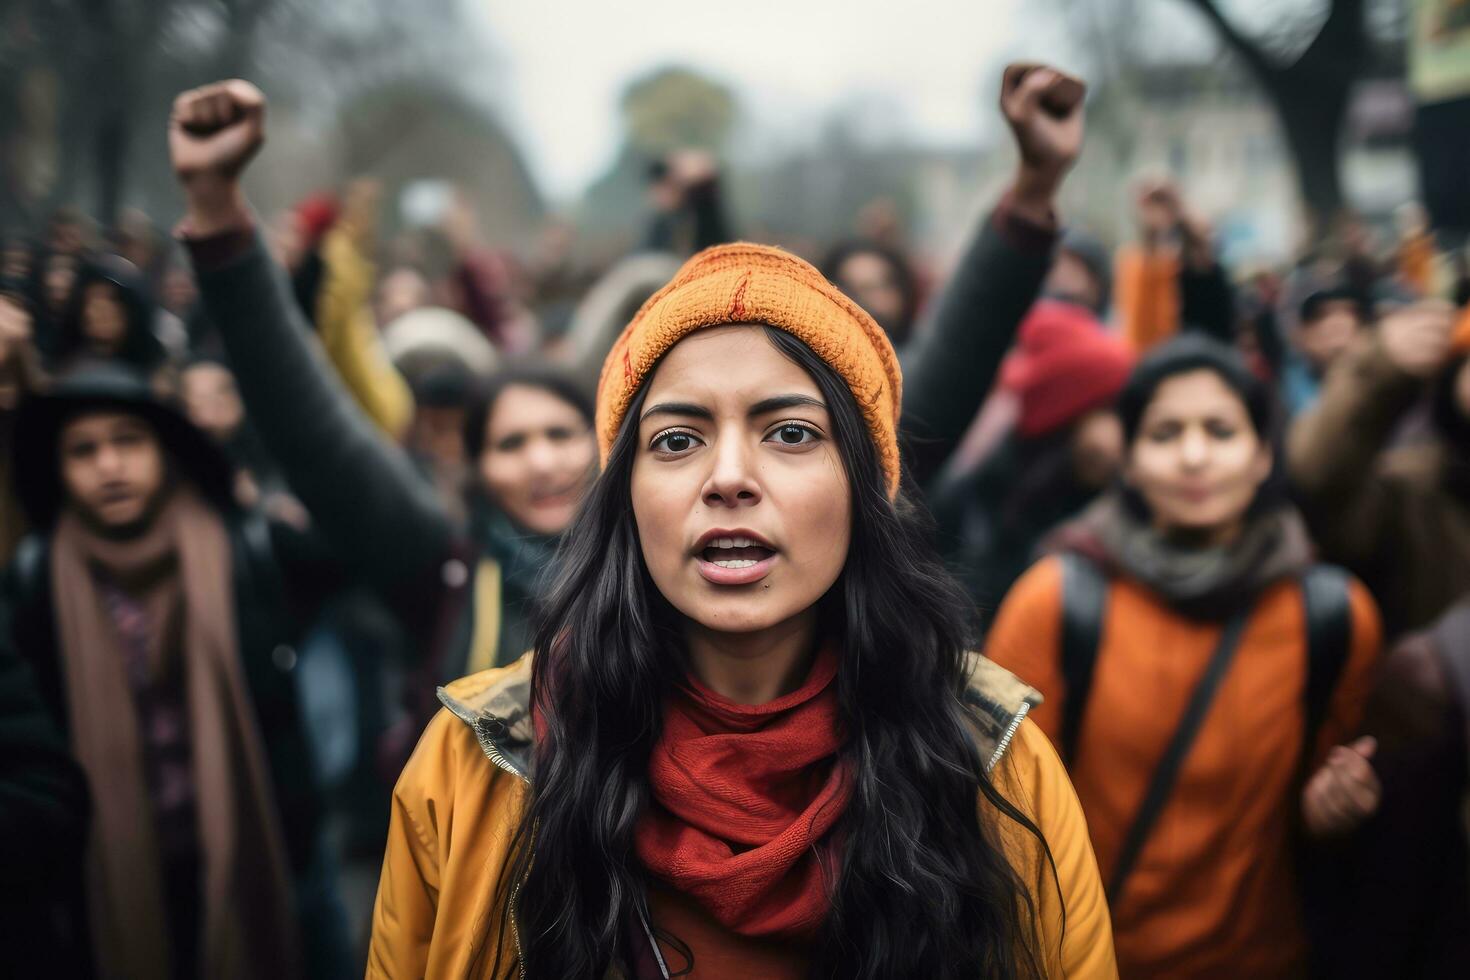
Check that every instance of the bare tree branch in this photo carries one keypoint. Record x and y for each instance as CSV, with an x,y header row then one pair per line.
x,y
1248,50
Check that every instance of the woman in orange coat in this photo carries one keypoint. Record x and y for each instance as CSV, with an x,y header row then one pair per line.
x,y
1199,568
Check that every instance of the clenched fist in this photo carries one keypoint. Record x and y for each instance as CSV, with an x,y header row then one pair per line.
x,y
1044,108
1344,792
213,133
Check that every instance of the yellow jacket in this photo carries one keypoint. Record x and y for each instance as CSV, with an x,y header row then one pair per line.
x,y
345,325
457,804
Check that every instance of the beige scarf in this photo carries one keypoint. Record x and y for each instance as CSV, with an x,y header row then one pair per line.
x,y
248,928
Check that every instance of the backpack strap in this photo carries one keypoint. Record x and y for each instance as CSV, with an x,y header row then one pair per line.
x,y
1084,602
1329,617
1161,784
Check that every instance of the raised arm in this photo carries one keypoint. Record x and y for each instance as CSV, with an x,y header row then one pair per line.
x,y
361,490
952,365
1333,447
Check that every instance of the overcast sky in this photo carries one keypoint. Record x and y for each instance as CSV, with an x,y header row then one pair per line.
x,y
789,61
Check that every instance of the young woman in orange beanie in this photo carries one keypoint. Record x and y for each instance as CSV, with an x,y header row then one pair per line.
x,y
1196,667
750,740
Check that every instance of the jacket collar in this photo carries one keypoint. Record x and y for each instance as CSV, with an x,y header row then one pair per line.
x,y
496,705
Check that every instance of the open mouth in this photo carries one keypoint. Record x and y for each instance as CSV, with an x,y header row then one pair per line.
x,y
734,559
735,553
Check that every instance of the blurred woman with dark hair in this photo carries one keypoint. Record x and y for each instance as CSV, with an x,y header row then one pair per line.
x,y
1196,667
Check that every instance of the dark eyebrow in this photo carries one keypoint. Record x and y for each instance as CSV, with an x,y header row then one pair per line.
x,y
686,409
783,402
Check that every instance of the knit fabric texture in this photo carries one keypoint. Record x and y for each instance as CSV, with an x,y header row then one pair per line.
x,y
745,283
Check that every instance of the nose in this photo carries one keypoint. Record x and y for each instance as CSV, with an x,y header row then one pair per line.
x,y
1194,449
108,460
732,479
541,456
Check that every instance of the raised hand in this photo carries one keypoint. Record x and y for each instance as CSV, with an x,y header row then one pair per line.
x,y
213,133
1044,108
1417,338
1344,792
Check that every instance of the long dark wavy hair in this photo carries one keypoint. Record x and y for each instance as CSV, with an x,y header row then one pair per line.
x,y
923,886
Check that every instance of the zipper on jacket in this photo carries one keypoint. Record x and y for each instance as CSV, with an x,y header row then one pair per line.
x,y
492,752
1007,736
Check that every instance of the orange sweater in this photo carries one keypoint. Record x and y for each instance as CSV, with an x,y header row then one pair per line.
x,y
1213,893
1147,297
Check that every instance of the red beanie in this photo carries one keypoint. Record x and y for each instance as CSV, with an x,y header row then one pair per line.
x,y
317,214
1065,364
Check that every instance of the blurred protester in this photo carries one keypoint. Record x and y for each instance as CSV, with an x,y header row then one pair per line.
x,y
402,289
343,312
1396,517
20,374
435,438
43,832
1185,686
1328,325
211,400
1081,273
1416,255
880,279
111,316
688,205
137,240
159,618
17,260
1067,446
1172,279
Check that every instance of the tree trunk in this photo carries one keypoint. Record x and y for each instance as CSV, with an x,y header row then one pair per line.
x,y
1312,121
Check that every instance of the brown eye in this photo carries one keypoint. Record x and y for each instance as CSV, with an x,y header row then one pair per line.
x,y
791,434
674,443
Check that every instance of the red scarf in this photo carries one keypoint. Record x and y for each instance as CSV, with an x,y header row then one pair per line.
x,y
743,799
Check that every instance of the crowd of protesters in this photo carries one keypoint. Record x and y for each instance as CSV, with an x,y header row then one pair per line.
x,y
273,494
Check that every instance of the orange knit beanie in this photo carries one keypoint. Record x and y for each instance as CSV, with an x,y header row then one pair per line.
x,y
743,283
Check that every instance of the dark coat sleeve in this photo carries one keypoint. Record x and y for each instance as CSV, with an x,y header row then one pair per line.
x,y
951,366
361,491
44,806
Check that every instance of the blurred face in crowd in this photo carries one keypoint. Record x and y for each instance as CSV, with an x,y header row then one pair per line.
x,y
212,401
67,237
437,434
873,283
1196,459
112,467
1071,280
401,290
104,318
60,277
1324,337
15,260
178,292
538,458
740,495
1097,447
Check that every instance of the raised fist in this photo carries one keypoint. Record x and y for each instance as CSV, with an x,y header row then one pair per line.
x,y
1417,338
1044,108
214,131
